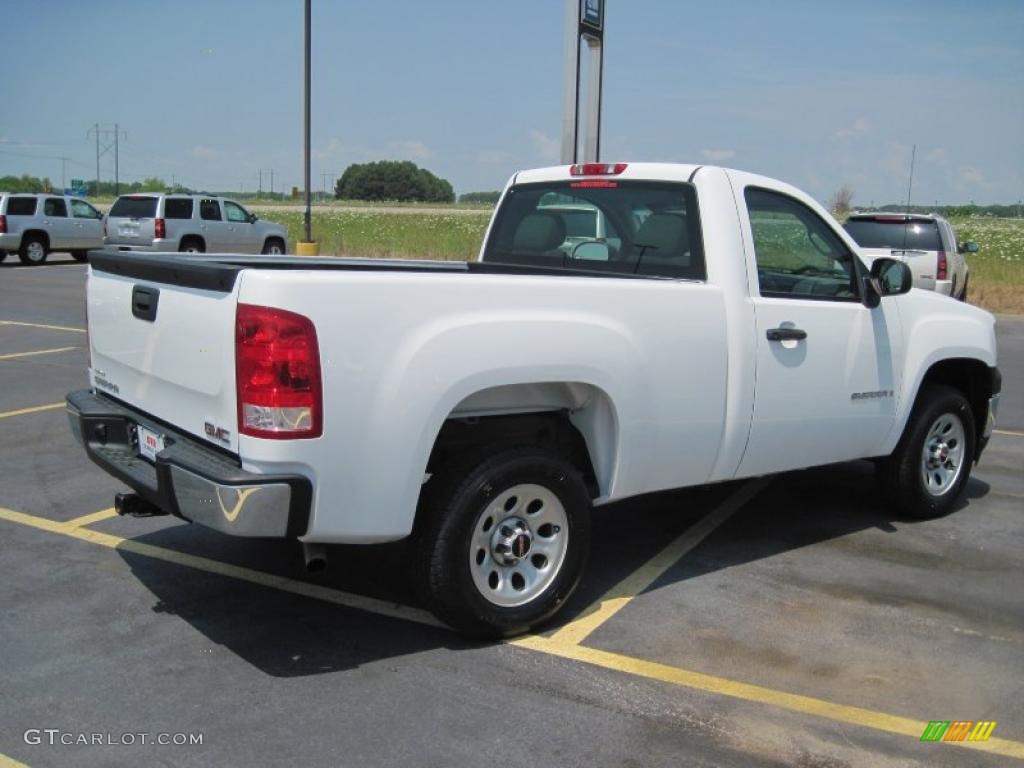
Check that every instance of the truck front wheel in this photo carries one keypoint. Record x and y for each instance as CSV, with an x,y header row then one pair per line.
x,y
927,472
504,544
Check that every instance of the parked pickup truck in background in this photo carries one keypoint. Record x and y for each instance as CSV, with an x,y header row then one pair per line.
x,y
722,328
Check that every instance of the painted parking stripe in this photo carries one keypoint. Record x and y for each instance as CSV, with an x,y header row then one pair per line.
x,y
1007,432
619,596
40,325
10,762
262,578
616,662
33,409
95,517
794,702
13,355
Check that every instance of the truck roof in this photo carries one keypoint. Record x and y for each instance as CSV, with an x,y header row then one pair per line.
x,y
647,171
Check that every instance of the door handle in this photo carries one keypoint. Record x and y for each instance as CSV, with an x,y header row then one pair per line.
x,y
786,334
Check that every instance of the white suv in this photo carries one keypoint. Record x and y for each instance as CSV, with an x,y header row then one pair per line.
x,y
926,242
34,225
192,223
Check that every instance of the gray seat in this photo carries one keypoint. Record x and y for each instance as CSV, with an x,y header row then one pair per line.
x,y
665,237
540,233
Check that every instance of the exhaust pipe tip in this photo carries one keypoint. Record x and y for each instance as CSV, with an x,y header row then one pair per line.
x,y
316,557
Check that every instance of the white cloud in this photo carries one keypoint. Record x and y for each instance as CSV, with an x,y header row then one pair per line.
x,y
859,128
414,150
548,148
491,156
203,153
937,155
718,155
969,176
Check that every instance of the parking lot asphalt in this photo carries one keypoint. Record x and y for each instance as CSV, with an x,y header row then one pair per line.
x,y
784,621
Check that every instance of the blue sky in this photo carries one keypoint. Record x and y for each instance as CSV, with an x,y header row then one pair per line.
x,y
815,93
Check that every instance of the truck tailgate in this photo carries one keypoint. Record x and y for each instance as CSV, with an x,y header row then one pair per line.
x,y
166,348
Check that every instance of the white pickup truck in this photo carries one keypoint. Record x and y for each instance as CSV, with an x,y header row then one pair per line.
x,y
721,327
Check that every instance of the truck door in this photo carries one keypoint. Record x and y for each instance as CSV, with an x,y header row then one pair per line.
x,y
241,231
212,225
88,225
59,227
827,376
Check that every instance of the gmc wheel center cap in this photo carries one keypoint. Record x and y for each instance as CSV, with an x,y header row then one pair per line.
x,y
511,542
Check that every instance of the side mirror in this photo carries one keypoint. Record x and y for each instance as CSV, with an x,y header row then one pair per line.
x,y
252,218
591,250
888,277
969,247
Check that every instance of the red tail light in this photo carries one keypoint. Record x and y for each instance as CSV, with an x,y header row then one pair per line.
x,y
598,169
277,373
3,224
943,268
159,229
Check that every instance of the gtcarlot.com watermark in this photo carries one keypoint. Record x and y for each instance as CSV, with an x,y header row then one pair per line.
x,y
55,736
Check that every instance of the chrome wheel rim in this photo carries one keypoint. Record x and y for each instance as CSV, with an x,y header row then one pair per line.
x,y
275,250
518,546
35,252
942,457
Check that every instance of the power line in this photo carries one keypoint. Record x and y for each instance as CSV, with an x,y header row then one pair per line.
x,y
110,138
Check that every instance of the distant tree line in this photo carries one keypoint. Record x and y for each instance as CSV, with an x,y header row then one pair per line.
x,y
480,197
401,181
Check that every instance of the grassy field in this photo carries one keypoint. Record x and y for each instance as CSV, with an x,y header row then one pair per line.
x,y
996,281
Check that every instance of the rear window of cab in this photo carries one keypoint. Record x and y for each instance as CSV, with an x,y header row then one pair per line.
x,y
626,227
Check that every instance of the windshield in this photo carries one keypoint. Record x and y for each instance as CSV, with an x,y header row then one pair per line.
x,y
895,233
630,227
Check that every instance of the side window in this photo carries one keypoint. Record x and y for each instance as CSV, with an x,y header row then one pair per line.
x,y
82,210
56,207
235,212
21,206
178,208
209,210
798,254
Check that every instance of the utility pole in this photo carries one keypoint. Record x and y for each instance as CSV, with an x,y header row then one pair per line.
x,y
259,193
63,172
109,138
271,181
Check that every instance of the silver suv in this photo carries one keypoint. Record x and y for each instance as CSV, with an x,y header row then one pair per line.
x,y
189,223
34,225
925,241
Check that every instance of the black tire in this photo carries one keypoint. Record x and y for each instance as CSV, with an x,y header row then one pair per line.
x,y
3,255
34,250
963,293
80,255
454,512
271,244
903,474
191,245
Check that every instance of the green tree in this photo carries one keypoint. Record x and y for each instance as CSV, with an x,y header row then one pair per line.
x,y
393,180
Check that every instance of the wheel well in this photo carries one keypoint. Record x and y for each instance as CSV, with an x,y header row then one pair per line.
x,y
273,239
38,233
553,430
971,377
190,238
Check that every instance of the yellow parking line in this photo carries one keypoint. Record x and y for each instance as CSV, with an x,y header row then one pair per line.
x,y
807,705
315,591
619,596
799,703
95,517
33,409
1007,432
37,352
40,325
10,762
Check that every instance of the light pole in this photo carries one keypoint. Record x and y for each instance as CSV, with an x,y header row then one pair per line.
x,y
308,247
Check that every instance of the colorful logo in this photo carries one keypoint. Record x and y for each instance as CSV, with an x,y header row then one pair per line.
x,y
958,730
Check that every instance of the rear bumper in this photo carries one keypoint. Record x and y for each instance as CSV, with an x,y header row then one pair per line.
x,y
10,241
154,246
189,479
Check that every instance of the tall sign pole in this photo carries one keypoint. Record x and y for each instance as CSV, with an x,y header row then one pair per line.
x,y
306,216
584,23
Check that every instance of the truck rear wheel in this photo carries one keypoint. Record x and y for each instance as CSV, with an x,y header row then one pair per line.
x,y
33,250
504,544
926,474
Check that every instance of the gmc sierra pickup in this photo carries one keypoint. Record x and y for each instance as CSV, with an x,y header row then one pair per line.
x,y
714,325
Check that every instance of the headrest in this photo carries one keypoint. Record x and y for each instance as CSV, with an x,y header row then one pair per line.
x,y
539,232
